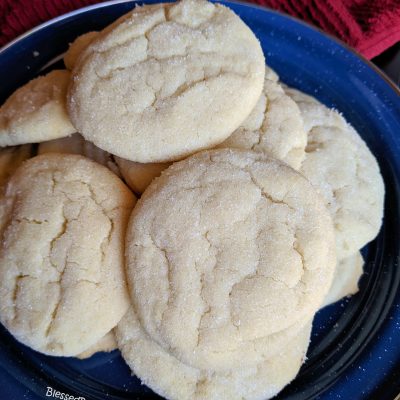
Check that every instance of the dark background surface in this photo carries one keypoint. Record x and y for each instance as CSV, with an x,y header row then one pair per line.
x,y
389,62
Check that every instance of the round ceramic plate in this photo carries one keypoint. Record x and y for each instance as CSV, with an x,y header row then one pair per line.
x,y
355,350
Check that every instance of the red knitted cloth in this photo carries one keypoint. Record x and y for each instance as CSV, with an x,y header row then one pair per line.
x,y
370,26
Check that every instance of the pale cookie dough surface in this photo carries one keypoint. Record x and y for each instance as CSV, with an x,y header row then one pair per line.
x,y
76,48
224,250
345,281
166,81
62,280
76,144
106,344
172,379
36,111
139,175
340,165
275,126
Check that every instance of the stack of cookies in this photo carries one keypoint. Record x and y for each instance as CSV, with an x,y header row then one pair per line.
x,y
255,200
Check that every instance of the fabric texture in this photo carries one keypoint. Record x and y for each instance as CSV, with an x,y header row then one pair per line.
x,y
370,26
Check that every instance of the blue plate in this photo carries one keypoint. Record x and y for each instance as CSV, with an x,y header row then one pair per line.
x,y
355,351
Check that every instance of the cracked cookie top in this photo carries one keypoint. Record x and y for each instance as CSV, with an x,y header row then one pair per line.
x,y
62,282
342,168
172,379
36,111
166,81
225,249
275,126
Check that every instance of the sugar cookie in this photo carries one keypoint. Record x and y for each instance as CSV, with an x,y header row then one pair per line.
x,y
275,126
62,281
224,250
345,280
36,111
172,379
166,81
346,173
